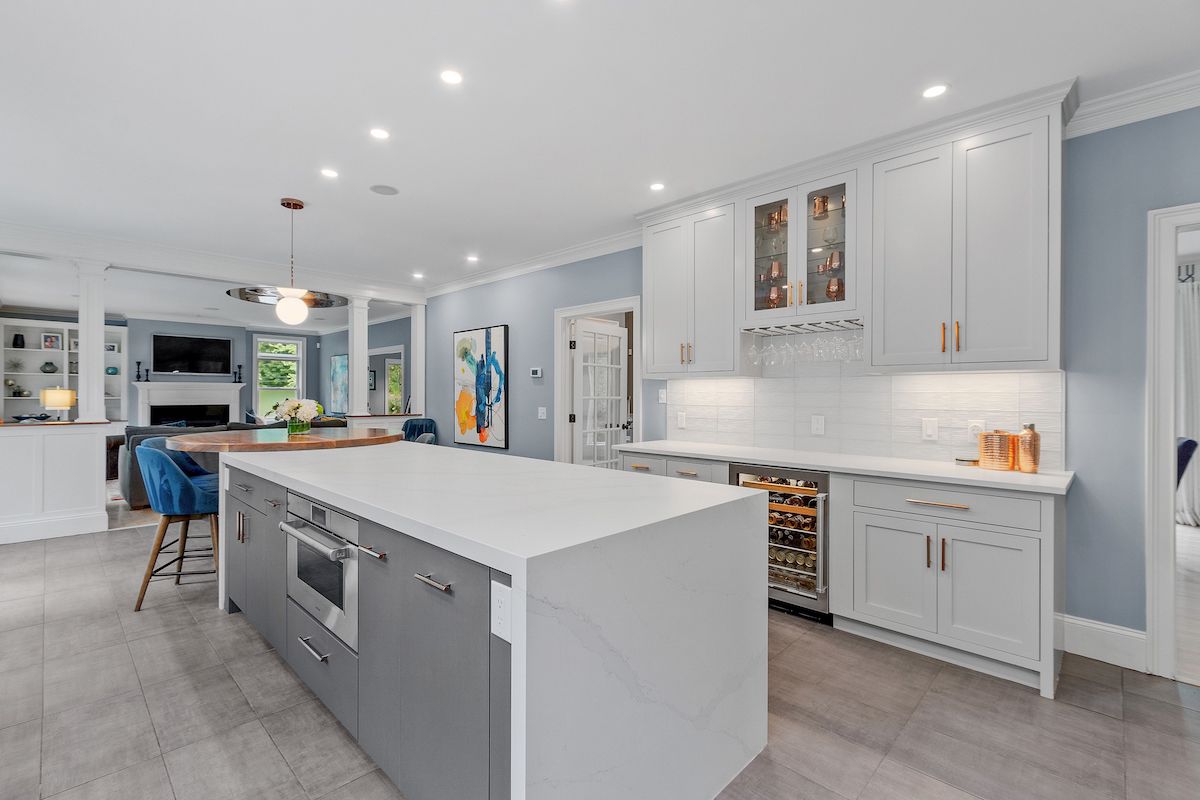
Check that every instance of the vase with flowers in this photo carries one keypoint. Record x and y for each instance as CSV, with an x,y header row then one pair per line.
x,y
298,413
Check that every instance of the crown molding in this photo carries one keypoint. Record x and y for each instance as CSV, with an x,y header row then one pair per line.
x,y
1134,105
603,246
47,244
381,320
1057,97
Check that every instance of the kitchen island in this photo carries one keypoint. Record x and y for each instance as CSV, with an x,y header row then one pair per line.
x,y
628,658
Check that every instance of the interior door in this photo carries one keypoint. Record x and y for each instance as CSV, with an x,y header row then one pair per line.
x,y
667,286
910,277
600,391
1001,274
714,278
988,589
894,570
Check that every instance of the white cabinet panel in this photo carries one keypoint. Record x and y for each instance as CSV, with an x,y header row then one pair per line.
x,y
894,576
74,462
713,336
911,236
20,474
988,589
1001,257
667,281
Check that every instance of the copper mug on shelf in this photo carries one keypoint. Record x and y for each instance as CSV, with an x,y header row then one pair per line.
x,y
820,206
774,297
776,270
836,289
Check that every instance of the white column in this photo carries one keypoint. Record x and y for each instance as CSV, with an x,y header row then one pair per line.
x,y
91,341
416,360
359,361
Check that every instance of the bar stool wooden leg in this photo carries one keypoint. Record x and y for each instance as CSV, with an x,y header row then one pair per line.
x,y
182,549
163,522
214,527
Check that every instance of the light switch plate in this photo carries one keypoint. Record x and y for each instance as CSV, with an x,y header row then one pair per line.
x,y
541,412
502,611
681,419
974,428
929,429
662,396
818,424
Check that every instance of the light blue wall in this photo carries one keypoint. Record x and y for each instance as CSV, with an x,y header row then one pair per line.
x,y
1112,179
380,334
526,304
141,332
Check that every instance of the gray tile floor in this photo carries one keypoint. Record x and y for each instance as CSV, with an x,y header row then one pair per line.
x,y
182,701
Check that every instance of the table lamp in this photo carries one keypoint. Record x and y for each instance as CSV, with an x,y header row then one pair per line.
x,y
58,399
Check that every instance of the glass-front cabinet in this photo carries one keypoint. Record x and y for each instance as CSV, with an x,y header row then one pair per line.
x,y
801,259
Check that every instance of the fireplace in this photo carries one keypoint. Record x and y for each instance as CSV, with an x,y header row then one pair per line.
x,y
194,415
165,400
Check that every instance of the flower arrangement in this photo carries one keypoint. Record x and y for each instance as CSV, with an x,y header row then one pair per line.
x,y
298,413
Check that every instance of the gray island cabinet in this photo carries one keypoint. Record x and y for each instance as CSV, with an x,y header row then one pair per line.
x,y
501,628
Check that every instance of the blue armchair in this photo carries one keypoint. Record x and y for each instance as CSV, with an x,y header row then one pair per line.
x,y
180,490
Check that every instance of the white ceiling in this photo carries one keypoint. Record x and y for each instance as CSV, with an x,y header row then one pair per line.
x,y
27,283
183,123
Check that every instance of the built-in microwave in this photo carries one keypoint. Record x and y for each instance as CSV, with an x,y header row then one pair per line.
x,y
322,565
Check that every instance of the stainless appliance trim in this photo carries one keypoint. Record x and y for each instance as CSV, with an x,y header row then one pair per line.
x,y
304,642
333,548
334,536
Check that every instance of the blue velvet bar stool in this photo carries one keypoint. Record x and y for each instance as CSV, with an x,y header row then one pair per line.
x,y
180,490
418,426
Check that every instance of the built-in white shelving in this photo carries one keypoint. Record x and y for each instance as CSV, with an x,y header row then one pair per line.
x,y
23,366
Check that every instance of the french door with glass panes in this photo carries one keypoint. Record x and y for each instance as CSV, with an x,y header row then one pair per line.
x,y
599,392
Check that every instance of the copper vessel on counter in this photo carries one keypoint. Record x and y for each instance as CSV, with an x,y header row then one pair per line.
x,y
996,450
1029,448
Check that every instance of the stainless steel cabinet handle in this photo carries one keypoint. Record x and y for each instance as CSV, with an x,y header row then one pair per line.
x,y
273,503
943,554
823,527
690,359
936,504
687,473
241,527
335,551
372,552
928,557
244,487
303,640
429,581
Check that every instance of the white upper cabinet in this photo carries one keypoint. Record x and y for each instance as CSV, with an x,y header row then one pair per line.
x,y
910,233
1001,251
689,278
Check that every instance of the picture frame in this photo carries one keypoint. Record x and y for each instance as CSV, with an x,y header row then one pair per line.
x,y
371,380
74,344
52,341
112,347
481,388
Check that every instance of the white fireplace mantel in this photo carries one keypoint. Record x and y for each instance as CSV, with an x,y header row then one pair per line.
x,y
186,393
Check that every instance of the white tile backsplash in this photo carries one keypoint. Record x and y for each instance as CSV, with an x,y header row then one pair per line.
x,y
867,414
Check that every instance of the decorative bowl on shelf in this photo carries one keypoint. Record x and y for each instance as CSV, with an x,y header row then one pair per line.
x,y
49,367
112,370
31,417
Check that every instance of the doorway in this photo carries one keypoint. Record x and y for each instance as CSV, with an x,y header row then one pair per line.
x,y
1187,437
386,392
597,381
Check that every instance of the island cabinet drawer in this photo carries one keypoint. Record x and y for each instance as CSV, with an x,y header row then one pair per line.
x,y
945,503
324,664
690,470
634,462
258,493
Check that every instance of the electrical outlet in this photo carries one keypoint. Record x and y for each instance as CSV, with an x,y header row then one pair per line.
x,y
541,412
502,611
662,397
974,428
681,419
818,424
929,429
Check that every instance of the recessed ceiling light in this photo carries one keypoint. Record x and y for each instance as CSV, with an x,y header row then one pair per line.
x,y
329,173
379,133
385,190
418,275
657,187
452,77
472,258
937,90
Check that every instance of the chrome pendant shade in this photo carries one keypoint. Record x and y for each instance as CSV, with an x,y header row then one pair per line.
x,y
291,304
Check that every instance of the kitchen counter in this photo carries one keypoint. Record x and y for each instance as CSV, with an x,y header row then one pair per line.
x,y
1056,483
637,611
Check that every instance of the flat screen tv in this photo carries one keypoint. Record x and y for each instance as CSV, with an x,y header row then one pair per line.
x,y
191,355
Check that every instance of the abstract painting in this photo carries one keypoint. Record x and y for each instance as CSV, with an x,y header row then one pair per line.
x,y
339,384
481,386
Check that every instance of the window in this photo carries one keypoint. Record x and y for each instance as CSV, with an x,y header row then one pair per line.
x,y
278,371
395,385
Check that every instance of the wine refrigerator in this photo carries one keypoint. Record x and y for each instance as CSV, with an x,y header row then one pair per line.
x,y
797,526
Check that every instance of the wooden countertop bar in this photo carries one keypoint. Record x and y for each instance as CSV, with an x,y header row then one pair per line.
x,y
270,439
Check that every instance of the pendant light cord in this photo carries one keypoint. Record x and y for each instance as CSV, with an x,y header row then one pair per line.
x,y
292,245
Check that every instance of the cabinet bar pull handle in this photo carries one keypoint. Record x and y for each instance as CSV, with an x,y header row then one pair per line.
x,y
372,552
241,527
681,361
429,581
943,337
303,640
789,297
928,551
244,487
639,467
687,473
936,504
690,359
956,341
943,554
273,503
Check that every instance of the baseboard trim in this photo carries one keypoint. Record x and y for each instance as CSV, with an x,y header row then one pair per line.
x,y
54,527
1101,641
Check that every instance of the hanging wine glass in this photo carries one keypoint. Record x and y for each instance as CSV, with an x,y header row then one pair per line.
x,y
755,353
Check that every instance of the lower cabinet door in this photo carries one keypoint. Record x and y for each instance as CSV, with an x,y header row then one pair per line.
x,y
266,576
324,664
988,589
894,570
238,516
380,595
445,630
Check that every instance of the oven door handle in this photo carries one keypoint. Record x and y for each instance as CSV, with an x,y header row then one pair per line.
x,y
331,548
823,533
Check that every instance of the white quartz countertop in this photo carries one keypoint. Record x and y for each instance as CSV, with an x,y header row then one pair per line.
x,y
495,509
880,466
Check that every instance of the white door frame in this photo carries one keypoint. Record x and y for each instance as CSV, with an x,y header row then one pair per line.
x,y
1162,232
562,365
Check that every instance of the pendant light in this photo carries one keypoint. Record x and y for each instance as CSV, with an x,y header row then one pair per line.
x,y
291,304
